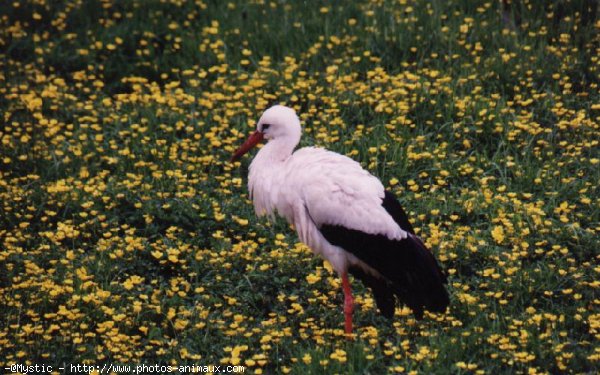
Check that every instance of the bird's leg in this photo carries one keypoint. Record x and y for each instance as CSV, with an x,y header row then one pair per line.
x,y
348,303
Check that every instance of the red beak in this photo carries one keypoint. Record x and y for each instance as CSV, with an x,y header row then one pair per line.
x,y
252,141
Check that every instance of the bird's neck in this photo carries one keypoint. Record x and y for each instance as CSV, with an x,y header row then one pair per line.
x,y
277,150
265,174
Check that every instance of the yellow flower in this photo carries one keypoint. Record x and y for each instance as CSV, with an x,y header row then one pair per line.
x,y
339,355
313,278
498,234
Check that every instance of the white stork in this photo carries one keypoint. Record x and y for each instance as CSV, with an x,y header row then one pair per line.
x,y
344,214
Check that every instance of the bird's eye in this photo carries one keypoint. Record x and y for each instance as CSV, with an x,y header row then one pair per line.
x,y
265,127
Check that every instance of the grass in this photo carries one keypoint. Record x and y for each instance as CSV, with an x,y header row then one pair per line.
x,y
127,236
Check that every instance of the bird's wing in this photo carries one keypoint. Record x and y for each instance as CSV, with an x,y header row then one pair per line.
x,y
410,270
351,210
336,190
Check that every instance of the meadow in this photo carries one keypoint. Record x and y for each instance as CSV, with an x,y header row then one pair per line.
x,y
127,236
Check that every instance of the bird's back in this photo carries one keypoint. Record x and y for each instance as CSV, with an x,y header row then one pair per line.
x,y
337,190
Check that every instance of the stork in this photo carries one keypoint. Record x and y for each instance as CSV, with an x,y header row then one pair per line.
x,y
344,214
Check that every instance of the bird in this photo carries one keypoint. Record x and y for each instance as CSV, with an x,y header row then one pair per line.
x,y
345,215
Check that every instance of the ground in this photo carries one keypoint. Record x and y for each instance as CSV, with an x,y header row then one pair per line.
x,y
127,237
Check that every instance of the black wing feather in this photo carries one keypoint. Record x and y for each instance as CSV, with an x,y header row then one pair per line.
x,y
393,207
410,270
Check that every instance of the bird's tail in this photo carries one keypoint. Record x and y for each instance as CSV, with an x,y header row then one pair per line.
x,y
421,284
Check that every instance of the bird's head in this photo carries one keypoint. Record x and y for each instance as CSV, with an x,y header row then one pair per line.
x,y
276,123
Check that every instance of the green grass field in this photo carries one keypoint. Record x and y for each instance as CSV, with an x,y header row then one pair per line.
x,y
127,236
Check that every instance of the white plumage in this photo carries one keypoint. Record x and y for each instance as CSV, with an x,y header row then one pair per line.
x,y
316,189
312,187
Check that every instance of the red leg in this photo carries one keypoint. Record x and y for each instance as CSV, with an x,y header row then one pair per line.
x,y
348,303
